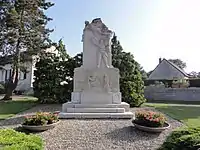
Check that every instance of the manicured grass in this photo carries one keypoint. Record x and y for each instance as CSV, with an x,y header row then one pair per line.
x,y
11,108
188,114
13,140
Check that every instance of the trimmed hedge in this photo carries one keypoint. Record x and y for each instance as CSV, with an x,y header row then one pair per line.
x,y
193,82
183,139
13,140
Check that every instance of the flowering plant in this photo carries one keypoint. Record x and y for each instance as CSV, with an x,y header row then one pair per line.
x,y
149,119
180,83
41,118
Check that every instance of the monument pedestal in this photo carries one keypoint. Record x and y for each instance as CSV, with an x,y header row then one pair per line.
x,y
95,111
95,96
96,92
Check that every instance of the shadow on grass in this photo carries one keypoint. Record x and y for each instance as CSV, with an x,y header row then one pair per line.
x,y
187,114
22,107
181,112
10,108
131,134
174,102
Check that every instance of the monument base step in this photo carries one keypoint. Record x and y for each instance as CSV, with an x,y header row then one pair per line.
x,y
95,110
67,105
125,115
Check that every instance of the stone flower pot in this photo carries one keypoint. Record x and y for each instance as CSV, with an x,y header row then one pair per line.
x,y
40,128
151,129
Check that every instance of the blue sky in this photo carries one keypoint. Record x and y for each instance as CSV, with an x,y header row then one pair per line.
x,y
149,29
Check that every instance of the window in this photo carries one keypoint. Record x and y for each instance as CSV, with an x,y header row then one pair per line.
x,y
24,75
10,73
6,74
21,75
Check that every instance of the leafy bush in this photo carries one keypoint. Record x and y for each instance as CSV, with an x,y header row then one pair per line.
x,y
53,83
149,118
41,119
131,83
2,88
180,83
13,140
183,139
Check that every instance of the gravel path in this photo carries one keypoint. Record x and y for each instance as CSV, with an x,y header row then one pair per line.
x,y
94,134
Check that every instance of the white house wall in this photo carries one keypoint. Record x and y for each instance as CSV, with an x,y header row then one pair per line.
x,y
7,68
33,69
165,71
23,84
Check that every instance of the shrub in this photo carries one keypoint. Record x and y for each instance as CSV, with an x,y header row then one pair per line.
x,y
183,139
2,88
180,83
13,140
53,83
194,82
41,119
149,118
131,83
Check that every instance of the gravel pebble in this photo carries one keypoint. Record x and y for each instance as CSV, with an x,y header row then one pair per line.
x,y
88,134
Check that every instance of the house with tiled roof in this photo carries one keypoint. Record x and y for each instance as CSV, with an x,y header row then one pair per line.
x,y
167,70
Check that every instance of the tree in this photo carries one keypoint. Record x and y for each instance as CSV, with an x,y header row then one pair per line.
x,y
142,71
131,83
148,73
53,78
23,28
179,63
194,74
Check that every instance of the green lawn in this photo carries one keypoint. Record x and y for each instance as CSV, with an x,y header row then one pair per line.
x,y
188,114
11,108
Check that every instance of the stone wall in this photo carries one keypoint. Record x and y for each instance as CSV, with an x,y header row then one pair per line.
x,y
178,94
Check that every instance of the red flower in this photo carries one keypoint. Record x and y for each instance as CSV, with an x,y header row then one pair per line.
x,y
28,117
56,112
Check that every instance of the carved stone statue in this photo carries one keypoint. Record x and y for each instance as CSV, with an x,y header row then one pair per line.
x,y
94,82
100,37
106,83
102,53
96,91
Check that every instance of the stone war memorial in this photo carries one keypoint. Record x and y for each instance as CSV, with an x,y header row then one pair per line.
x,y
96,90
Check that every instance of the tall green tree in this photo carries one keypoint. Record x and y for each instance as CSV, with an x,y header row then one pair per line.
x,y
181,64
53,78
131,83
23,28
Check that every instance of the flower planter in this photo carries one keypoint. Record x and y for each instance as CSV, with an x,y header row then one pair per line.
x,y
40,128
151,129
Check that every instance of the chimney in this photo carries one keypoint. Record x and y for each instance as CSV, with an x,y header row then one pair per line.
x,y
160,59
